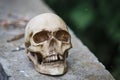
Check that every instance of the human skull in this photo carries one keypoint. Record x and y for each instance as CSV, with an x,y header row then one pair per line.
x,y
47,42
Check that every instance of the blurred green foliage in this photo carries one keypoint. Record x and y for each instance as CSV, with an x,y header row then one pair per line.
x,y
82,16
97,24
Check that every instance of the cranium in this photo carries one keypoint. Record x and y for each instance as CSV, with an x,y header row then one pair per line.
x,y
47,42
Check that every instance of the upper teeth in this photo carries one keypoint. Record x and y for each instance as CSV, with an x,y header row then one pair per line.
x,y
60,57
53,58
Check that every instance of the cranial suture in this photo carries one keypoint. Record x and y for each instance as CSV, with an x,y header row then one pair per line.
x,y
47,42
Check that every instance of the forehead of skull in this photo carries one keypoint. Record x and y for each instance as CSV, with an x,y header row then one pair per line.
x,y
48,22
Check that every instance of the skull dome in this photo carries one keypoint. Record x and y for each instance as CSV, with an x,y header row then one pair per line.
x,y
47,42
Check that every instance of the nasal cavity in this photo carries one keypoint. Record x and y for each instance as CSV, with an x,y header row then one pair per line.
x,y
53,45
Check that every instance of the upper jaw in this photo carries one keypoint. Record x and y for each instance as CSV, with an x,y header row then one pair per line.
x,y
48,59
53,58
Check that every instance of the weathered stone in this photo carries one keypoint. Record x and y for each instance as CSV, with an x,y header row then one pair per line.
x,y
3,75
82,64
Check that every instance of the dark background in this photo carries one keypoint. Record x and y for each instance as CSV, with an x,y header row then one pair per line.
x,y
97,24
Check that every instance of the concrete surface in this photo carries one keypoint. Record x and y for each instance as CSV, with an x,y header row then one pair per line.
x,y
82,64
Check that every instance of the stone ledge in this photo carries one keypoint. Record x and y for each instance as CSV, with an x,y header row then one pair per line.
x,y
83,65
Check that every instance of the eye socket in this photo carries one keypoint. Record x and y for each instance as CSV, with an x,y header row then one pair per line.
x,y
62,35
41,36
